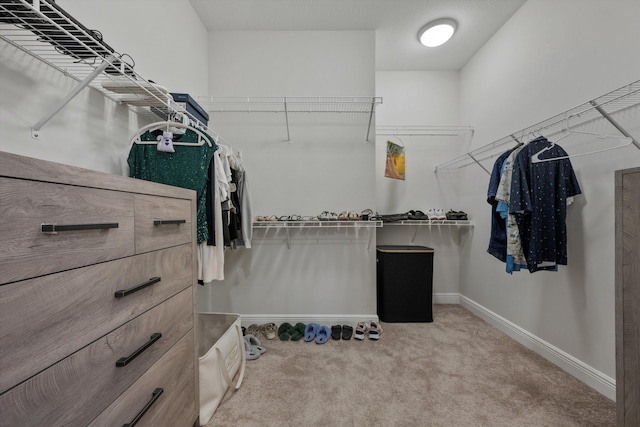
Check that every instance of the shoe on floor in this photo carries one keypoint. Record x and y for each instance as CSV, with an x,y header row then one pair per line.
x,y
310,331
249,352
284,331
255,344
336,331
362,328
374,331
347,332
297,332
269,330
323,334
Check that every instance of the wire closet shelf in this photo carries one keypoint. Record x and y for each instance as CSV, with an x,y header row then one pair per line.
x,y
604,108
48,33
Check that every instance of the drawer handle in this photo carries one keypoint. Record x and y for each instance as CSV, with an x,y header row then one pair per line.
x,y
54,228
124,361
124,292
158,222
154,396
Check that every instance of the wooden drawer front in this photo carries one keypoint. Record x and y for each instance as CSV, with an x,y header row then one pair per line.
x,y
25,251
75,390
45,319
151,209
176,406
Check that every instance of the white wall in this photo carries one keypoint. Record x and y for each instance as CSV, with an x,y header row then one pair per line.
x,y
93,131
327,166
429,99
549,57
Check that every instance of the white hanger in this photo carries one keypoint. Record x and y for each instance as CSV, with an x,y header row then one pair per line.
x,y
204,138
569,132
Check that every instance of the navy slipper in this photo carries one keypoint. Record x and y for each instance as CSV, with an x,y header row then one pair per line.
x,y
310,331
347,332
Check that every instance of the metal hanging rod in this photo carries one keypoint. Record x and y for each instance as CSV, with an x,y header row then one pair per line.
x,y
603,107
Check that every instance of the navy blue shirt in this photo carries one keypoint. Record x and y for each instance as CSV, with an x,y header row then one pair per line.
x,y
539,194
498,239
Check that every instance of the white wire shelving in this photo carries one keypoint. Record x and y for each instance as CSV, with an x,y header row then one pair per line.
x,y
48,33
606,108
320,105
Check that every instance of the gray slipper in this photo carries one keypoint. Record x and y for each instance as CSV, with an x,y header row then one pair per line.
x,y
254,343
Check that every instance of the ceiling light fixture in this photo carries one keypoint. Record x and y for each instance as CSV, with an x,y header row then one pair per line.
x,y
437,32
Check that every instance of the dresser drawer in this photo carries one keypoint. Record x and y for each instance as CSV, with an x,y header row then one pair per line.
x,y
62,312
104,219
174,407
78,388
161,222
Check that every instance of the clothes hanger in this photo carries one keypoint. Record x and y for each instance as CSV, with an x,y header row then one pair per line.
x,y
204,138
569,132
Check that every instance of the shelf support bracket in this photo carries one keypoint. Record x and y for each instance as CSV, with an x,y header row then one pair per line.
x,y
35,130
286,117
373,106
371,230
479,164
288,239
614,123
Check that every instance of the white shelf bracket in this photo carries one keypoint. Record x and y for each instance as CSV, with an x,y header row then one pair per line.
x,y
614,123
373,106
35,129
286,117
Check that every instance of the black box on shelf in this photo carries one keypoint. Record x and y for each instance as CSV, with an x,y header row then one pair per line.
x,y
192,107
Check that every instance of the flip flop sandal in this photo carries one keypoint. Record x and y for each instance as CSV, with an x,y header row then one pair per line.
x,y
347,332
336,331
374,331
284,331
323,334
361,330
310,331
269,330
255,344
297,332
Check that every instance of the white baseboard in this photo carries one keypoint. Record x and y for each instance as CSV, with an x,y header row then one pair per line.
x,y
585,373
442,298
322,319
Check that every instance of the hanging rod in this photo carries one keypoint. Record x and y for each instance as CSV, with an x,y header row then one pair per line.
x,y
603,107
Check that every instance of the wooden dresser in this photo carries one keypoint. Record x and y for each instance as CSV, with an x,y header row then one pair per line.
x,y
97,305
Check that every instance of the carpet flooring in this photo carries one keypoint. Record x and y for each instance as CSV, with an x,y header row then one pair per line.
x,y
456,371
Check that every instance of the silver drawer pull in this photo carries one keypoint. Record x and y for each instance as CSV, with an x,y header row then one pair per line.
x,y
158,222
124,361
154,396
55,228
124,292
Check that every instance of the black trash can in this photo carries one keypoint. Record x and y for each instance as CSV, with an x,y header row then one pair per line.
x,y
404,283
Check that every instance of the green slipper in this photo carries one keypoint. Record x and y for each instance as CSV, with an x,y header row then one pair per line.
x,y
284,331
297,332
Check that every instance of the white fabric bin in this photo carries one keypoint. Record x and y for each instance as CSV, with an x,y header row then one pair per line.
x,y
221,358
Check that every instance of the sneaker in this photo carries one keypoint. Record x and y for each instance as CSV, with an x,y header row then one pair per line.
x,y
362,328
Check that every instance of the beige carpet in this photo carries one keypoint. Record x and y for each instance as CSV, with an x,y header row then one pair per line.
x,y
456,371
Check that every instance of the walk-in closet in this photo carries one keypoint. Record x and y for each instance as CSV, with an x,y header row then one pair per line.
x,y
196,197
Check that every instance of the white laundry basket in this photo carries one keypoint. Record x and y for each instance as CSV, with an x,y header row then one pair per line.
x,y
222,357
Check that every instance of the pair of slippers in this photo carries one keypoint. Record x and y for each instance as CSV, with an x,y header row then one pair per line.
x,y
319,333
287,331
345,332
252,347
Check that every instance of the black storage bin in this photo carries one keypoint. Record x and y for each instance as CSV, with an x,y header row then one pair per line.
x,y
404,283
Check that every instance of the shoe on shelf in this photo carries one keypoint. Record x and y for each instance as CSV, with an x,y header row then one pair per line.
x,y
362,328
374,330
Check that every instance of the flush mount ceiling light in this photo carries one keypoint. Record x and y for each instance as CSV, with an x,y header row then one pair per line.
x,y
437,32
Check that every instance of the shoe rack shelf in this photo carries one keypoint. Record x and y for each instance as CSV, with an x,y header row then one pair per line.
x,y
45,31
298,225
322,105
